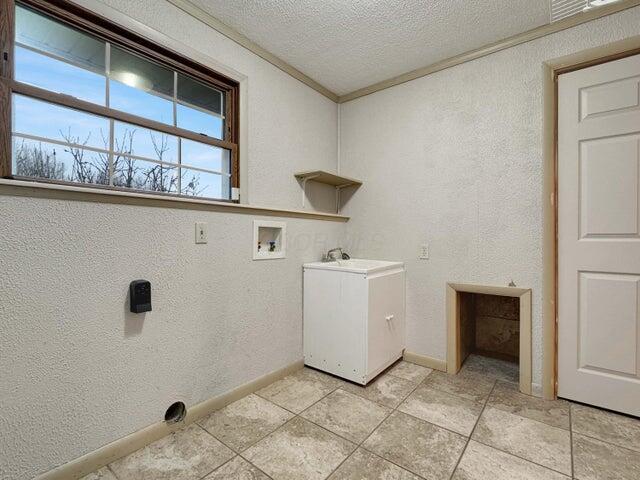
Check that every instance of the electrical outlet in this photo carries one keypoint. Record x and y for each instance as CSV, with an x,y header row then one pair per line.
x,y
201,232
424,251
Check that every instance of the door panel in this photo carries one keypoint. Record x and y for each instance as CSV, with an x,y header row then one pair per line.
x,y
609,186
609,97
599,235
608,322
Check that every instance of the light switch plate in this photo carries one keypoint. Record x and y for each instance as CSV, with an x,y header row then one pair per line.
x,y
201,232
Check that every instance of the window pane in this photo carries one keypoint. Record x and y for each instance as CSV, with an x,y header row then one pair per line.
x,y
140,87
133,173
56,162
200,107
65,60
134,140
43,119
59,77
204,184
55,38
199,121
199,95
208,157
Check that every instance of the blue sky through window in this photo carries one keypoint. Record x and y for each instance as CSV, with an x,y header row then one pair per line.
x,y
138,102
198,121
146,143
57,76
202,184
54,123
42,119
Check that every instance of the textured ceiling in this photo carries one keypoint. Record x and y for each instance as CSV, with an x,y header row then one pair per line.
x,y
349,44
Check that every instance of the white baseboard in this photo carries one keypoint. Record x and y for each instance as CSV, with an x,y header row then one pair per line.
x,y
425,361
96,459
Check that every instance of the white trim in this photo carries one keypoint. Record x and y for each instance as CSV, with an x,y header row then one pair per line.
x,y
102,195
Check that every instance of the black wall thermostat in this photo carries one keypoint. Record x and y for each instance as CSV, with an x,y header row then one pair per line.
x,y
140,295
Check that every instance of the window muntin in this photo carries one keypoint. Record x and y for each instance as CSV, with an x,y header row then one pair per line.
x,y
200,108
54,38
145,143
56,57
140,87
39,119
205,157
60,143
203,184
52,161
64,141
60,77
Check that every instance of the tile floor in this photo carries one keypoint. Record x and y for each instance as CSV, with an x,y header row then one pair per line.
x,y
409,424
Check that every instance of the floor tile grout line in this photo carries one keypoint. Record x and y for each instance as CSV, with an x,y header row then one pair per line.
x,y
219,466
420,383
359,445
238,452
473,430
571,443
112,472
229,461
295,415
395,409
435,387
521,458
528,418
608,443
391,462
494,381
506,410
503,451
335,387
235,452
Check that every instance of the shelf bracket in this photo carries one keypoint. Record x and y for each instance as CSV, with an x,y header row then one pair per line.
x,y
304,187
338,190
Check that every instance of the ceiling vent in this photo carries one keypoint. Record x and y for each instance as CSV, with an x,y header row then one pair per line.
x,y
565,8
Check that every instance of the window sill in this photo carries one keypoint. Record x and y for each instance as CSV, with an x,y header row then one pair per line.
x,y
87,194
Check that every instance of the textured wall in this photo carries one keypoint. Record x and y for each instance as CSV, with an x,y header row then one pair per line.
x,y
291,127
455,159
77,370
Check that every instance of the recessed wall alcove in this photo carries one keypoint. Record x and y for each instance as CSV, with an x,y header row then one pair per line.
x,y
491,321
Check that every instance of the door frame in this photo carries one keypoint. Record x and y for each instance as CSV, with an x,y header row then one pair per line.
x,y
551,70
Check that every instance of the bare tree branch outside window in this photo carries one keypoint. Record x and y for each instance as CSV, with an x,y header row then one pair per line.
x,y
82,165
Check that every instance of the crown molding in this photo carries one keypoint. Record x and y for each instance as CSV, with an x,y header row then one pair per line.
x,y
529,35
533,34
211,21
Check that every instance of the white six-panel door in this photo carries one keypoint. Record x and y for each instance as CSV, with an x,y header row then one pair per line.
x,y
599,235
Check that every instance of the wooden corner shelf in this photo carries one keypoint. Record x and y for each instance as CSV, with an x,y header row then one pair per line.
x,y
328,178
